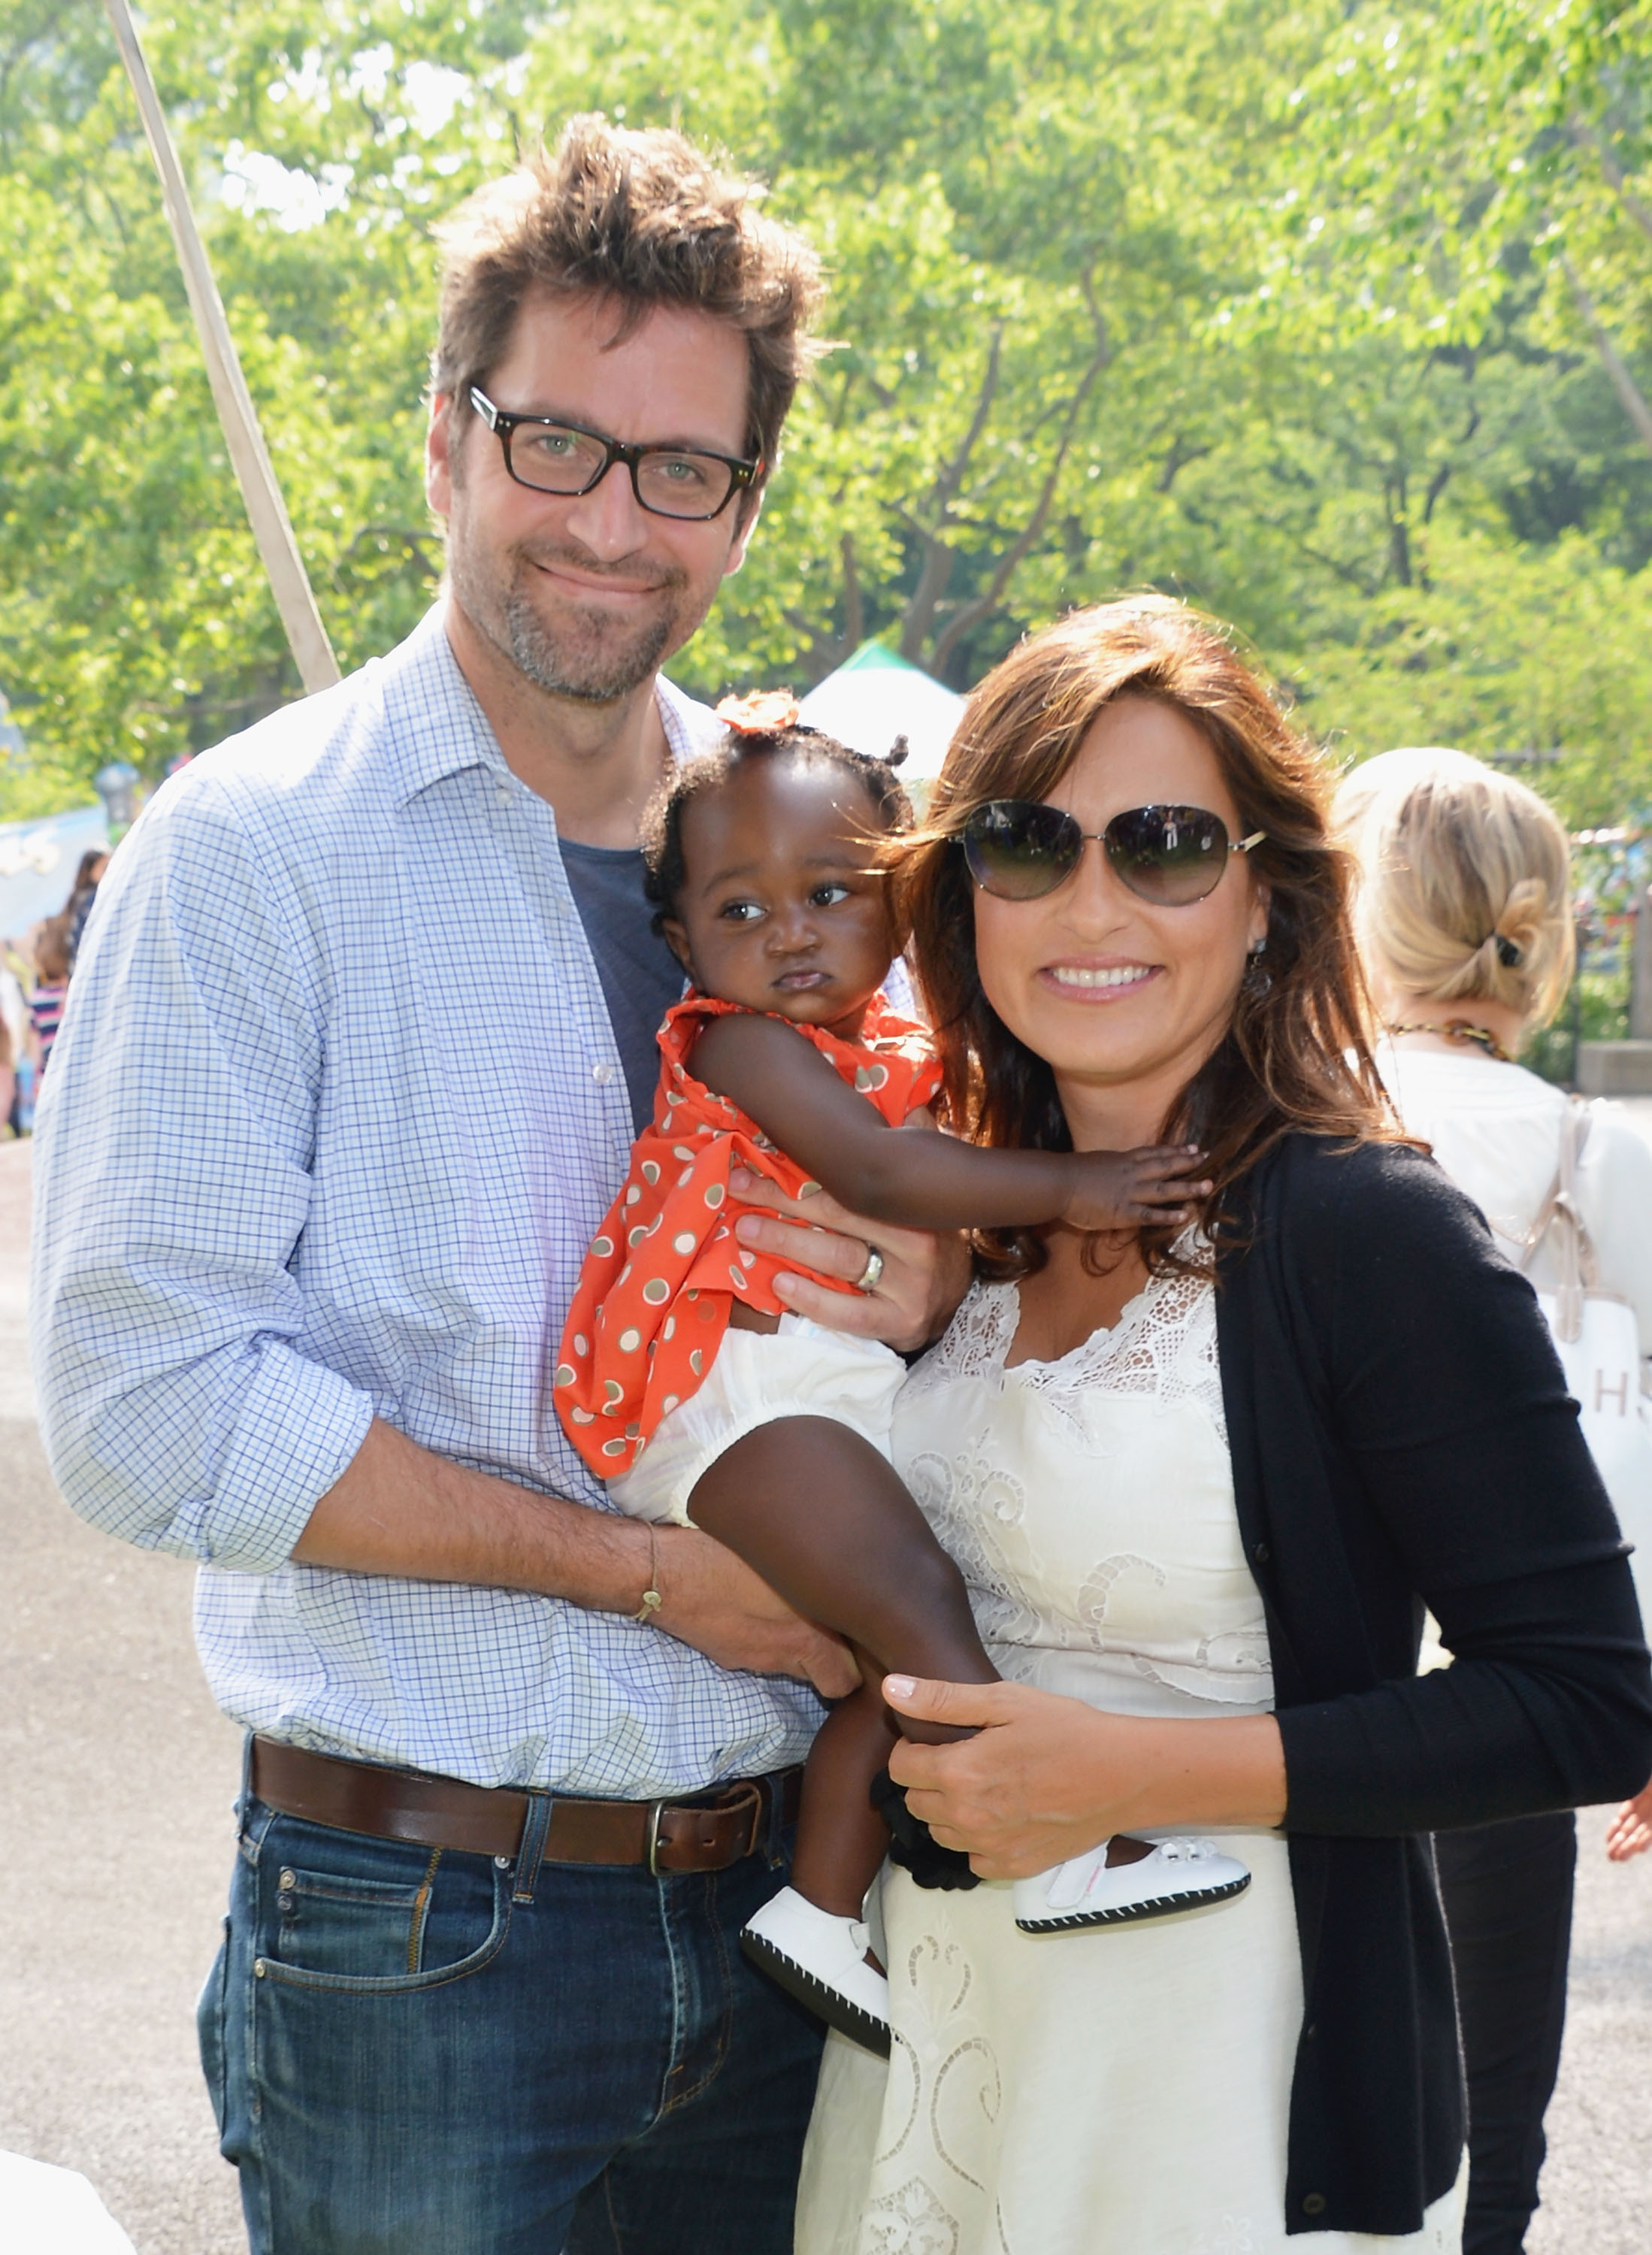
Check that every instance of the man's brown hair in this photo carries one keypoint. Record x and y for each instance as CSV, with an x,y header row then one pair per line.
x,y
645,220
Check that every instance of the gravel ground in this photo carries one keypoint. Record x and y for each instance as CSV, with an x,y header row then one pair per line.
x,y
115,1815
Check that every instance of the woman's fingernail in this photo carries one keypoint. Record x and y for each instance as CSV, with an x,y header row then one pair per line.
x,y
740,1179
900,1687
746,1229
783,1284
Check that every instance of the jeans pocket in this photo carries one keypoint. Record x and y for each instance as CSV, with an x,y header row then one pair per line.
x,y
209,2031
422,1917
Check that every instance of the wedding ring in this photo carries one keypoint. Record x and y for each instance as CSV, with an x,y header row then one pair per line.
x,y
867,1279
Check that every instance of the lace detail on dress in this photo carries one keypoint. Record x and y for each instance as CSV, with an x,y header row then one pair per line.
x,y
1164,1344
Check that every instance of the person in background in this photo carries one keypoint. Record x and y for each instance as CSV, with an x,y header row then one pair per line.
x,y
1465,924
14,1038
51,988
78,907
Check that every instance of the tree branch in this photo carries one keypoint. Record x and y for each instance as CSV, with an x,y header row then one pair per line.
x,y
931,585
853,608
1633,398
970,614
1614,174
950,477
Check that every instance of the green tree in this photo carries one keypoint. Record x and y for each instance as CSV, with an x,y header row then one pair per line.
x,y
1248,302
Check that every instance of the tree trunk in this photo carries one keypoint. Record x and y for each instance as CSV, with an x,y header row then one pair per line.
x,y
1634,399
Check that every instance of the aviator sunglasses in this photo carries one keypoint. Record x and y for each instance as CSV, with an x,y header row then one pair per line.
x,y
1172,856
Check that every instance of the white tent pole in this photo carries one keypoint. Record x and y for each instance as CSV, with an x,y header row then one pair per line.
x,y
271,527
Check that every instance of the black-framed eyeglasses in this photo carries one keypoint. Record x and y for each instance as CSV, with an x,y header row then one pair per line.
x,y
1019,850
560,458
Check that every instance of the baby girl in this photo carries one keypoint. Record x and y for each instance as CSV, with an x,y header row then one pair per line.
x,y
683,1381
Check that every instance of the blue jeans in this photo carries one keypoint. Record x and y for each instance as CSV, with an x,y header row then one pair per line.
x,y
418,2052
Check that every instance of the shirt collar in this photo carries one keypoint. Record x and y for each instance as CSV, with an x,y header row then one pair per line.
x,y
435,728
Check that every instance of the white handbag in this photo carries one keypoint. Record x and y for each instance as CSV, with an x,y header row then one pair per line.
x,y
1598,1341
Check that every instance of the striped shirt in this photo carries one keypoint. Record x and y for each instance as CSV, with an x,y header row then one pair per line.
x,y
275,1198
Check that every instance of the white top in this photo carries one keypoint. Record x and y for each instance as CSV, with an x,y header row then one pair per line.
x,y
1496,1129
1051,1496
1127,2090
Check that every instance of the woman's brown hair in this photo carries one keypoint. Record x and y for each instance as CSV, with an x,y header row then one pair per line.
x,y
1296,1055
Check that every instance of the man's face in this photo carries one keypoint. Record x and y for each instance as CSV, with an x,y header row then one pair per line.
x,y
587,595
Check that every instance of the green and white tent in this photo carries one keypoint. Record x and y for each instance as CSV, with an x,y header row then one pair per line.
x,y
876,696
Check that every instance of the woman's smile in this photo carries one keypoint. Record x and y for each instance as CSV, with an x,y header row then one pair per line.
x,y
1099,982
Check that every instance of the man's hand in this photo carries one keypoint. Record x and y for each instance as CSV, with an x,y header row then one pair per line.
x,y
1630,1831
714,1601
924,1275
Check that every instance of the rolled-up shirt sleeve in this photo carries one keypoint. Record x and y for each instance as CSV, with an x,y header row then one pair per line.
x,y
172,1181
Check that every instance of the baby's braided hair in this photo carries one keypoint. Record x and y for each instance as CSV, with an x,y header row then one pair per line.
x,y
764,726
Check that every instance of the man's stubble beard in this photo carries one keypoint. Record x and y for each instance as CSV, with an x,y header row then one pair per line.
x,y
590,661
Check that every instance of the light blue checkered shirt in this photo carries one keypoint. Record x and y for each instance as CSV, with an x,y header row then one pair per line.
x,y
335,1112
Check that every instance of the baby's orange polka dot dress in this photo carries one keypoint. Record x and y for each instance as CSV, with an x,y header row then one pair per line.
x,y
664,1268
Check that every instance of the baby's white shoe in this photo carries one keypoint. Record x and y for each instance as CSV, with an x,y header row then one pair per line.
x,y
1085,1891
820,1960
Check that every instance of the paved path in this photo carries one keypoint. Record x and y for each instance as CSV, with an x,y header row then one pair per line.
x,y
115,1779
116,1775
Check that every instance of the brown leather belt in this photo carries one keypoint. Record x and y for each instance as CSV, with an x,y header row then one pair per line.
x,y
705,1834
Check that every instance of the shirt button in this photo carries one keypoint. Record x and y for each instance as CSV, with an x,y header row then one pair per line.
x,y
1313,2204
601,1074
1261,1554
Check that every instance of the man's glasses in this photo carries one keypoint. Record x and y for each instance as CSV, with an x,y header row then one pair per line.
x,y
560,458
1172,856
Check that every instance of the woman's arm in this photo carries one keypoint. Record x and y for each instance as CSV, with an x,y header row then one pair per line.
x,y
1451,1446
1434,1381
910,1176
1045,1778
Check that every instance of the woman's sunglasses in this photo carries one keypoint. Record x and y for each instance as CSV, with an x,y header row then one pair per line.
x,y
1019,850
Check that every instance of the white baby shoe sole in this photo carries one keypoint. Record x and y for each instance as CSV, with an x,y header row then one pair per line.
x,y
1177,1875
820,1960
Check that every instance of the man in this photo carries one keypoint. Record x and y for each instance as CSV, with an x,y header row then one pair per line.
x,y
311,1210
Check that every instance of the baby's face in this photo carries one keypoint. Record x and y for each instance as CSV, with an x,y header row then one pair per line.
x,y
783,909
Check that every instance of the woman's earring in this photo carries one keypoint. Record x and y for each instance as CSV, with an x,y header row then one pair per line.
x,y
1257,980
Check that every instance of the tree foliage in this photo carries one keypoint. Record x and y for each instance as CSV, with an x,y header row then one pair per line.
x,y
1297,308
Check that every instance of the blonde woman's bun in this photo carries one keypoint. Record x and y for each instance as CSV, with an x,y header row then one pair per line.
x,y
1465,891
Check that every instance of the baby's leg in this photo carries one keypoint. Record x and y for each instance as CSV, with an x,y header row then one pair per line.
x,y
827,1522
842,1839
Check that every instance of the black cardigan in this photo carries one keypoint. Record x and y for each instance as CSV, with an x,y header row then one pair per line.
x,y
1401,1434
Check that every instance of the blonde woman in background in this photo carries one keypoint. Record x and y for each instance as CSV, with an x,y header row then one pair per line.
x,y
1465,924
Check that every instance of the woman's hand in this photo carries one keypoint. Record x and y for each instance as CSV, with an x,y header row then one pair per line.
x,y
923,1277
1046,1778
1630,1831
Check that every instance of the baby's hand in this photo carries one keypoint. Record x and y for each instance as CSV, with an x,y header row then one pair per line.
x,y
1123,1189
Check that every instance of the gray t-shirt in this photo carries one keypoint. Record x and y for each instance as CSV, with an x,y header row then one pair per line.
x,y
641,977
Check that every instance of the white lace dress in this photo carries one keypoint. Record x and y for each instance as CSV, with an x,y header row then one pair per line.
x,y
1122,2090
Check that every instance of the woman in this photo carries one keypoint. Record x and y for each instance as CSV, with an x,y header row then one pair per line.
x,y
1196,1523
1465,924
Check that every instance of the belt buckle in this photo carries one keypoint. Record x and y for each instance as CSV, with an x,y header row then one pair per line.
x,y
751,1790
